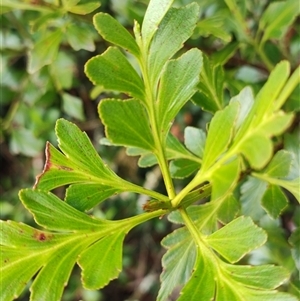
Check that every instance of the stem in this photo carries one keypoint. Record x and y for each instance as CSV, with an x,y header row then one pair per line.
x,y
159,145
192,228
141,190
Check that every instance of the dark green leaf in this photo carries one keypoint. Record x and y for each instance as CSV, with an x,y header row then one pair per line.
x,y
112,31
274,201
86,196
178,24
126,123
177,86
210,95
112,71
182,168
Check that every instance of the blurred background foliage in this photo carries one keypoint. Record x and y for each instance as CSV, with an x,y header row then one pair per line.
x,y
44,46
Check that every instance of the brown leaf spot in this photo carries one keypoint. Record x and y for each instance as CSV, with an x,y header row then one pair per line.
x,y
42,236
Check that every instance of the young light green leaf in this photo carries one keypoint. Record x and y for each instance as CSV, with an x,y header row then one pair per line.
x,y
225,178
84,8
44,51
237,238
112,71
277,18
258,150
263,105
218,140
177,262
96,275
112,31
210,94
274,201
246,100
178,24
126,123
194,140
177,85
155,12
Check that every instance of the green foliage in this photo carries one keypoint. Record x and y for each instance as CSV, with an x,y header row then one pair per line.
x,y
236,169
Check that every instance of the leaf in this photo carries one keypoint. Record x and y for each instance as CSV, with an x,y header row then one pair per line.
x,y
224,179
44,51
182,168
84,9
246,100
112,71
177,85
154,14
229,209
294,240
73,106
202,281
263,105
274,201
215,26
86,196
210,94
50,212
178,24
217,141
79,162
280,165
177,262
96,275
277,18
237,238
194,140
80,37
23,141
221,57
251,194
80,165
258,150
126,123
112,31
257,277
